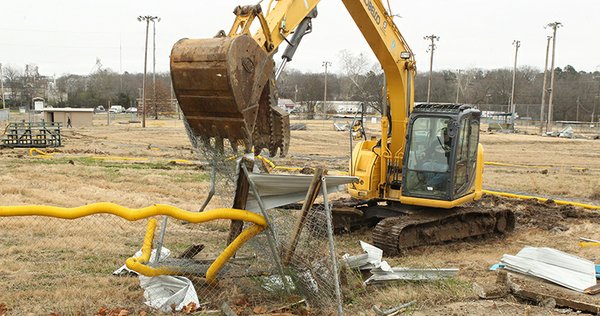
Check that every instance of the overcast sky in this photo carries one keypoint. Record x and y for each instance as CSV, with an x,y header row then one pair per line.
x,y
67,36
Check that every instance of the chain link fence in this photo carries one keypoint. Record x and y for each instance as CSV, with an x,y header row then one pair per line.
x,y
71,266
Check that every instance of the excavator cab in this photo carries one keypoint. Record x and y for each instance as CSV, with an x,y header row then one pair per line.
x,y
441,154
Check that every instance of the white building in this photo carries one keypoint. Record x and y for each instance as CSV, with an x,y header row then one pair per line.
x,y
287,104
345,107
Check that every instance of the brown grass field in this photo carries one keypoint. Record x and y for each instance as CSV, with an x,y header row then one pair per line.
x,y
135,167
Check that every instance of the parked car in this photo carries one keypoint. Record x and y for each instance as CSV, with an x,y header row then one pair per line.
x,y
116,109
131,110
99,109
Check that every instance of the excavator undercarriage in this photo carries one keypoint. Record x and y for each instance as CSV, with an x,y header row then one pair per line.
x,y
399,227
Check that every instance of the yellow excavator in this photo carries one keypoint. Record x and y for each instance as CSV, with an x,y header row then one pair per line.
x,y
415,182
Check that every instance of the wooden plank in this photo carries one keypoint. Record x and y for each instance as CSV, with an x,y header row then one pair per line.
x,y
311,196
240,199
593,290
537,290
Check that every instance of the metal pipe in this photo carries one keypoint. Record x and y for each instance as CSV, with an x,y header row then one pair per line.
x,y
211,192
336,279
270,233
161,238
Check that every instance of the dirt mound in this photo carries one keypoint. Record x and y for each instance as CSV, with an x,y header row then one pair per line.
x,y
545,215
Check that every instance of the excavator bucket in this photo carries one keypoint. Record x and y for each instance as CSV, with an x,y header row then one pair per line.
x,y
225,89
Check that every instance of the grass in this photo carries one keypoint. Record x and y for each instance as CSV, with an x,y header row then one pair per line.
x,y
34,251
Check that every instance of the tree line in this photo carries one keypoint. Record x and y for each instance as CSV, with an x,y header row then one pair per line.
x,y
576,93
102,86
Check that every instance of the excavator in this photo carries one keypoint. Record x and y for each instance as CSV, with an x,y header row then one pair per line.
x,y
417,182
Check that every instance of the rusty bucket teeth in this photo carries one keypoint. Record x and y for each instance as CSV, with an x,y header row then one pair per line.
x,y
272,130
280,131
218,83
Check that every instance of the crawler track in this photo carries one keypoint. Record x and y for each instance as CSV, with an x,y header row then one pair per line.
x,y
398,228
395,234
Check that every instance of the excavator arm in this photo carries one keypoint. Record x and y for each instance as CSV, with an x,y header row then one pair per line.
x,y
414,179
226,85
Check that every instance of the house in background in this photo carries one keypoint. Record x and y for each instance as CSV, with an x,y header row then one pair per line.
x,y
70,117
287,104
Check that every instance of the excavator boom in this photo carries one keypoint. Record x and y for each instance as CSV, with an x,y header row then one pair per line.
x,y
427,160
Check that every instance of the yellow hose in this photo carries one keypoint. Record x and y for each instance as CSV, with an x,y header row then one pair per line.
x,y
541,199
139,264
215,267
132,214
588,244
503,164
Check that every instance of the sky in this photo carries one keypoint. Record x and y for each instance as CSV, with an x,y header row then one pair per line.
x,y
68,36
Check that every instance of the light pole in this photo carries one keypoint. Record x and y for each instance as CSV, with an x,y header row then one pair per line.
x,y
457,85
2,86
154,66
517,44
325,64
431,38
554,26
146,18
544,90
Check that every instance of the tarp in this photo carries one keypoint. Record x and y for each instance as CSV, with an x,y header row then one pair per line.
x,y
277,190
166,292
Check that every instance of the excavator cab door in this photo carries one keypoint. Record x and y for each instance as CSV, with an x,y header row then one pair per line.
x,y
441,154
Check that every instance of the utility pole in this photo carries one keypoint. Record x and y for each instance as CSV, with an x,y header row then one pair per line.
x,y
296,94
2,86
146,18
154,67
457,85
544,89
554,26
325,64
577,115
433,38
517,44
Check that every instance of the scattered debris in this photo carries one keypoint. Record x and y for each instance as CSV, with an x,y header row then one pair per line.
x,y
540,292
370,259
490,291
274,283
341,127
165,291
227,311
567,132
288,306
298,127
553,265
394,310
496,266
381,271
385,273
